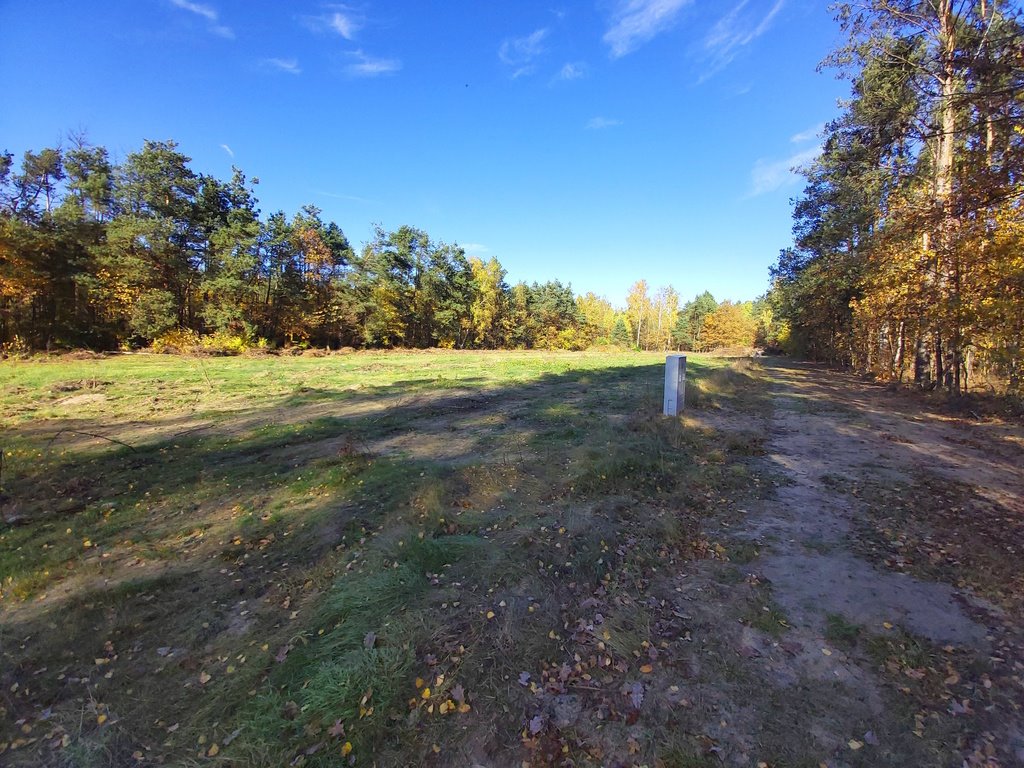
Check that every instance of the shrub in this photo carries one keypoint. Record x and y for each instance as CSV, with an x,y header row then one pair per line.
x,y
182,341
177,341
16,347
229,343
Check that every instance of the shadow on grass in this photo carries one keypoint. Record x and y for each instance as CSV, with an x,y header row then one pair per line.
x,y
284,578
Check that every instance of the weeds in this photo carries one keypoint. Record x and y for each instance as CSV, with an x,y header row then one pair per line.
x,y
840,632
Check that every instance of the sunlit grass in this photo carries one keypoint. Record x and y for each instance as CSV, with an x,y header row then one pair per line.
x,y
259,549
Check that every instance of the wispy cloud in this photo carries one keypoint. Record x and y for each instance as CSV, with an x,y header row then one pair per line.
x,y
210,14
573,70
228,149
198,9
733,31
371,66
474,248
597,123
634,22
339,19
773,175
344,24
291,66
520,52
808,135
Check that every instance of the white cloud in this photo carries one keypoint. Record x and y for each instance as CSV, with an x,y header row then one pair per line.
x,y
572,71
343,24
772,175
371,66
228,149
209,13
339,19
597,123
291,66
199,9
634,22
519,52
474,248
734,31
808,135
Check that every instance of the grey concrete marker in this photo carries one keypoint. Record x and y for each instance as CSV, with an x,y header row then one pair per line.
x,y
675,384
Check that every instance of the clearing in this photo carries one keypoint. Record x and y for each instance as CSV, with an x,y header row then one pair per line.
x,y
502,559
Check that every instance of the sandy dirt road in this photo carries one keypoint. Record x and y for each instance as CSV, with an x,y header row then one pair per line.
x,y
922,642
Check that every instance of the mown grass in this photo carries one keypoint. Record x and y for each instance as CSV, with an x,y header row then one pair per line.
x,y
269,561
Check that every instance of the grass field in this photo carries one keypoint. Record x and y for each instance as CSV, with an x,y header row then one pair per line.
x,y
376,559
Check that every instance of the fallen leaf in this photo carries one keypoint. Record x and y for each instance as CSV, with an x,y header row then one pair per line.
x,y
336,730
346,748
647,669
425,693
101,720
459,693
213,751
370,640
204,678
636,695
855,745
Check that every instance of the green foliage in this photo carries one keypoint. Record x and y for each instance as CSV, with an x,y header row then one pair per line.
x,y
154,313
150,251
620,334
902,262
688,331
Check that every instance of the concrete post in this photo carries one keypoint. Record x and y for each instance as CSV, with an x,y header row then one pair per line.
x,y
675,384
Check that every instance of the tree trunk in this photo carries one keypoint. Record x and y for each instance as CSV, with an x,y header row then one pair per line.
x,y
944,157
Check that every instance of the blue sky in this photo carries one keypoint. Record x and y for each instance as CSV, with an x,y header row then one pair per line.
x,y
596,142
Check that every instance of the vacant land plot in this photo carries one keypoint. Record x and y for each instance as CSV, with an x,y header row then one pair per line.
x,y
499,559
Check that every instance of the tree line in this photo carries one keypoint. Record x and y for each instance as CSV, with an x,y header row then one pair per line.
x,y
908,261
147,251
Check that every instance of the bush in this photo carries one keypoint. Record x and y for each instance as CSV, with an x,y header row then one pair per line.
x,y
228,343
177,341
16,347
182,341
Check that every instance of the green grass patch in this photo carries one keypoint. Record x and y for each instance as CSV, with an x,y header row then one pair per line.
x,y
266,554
